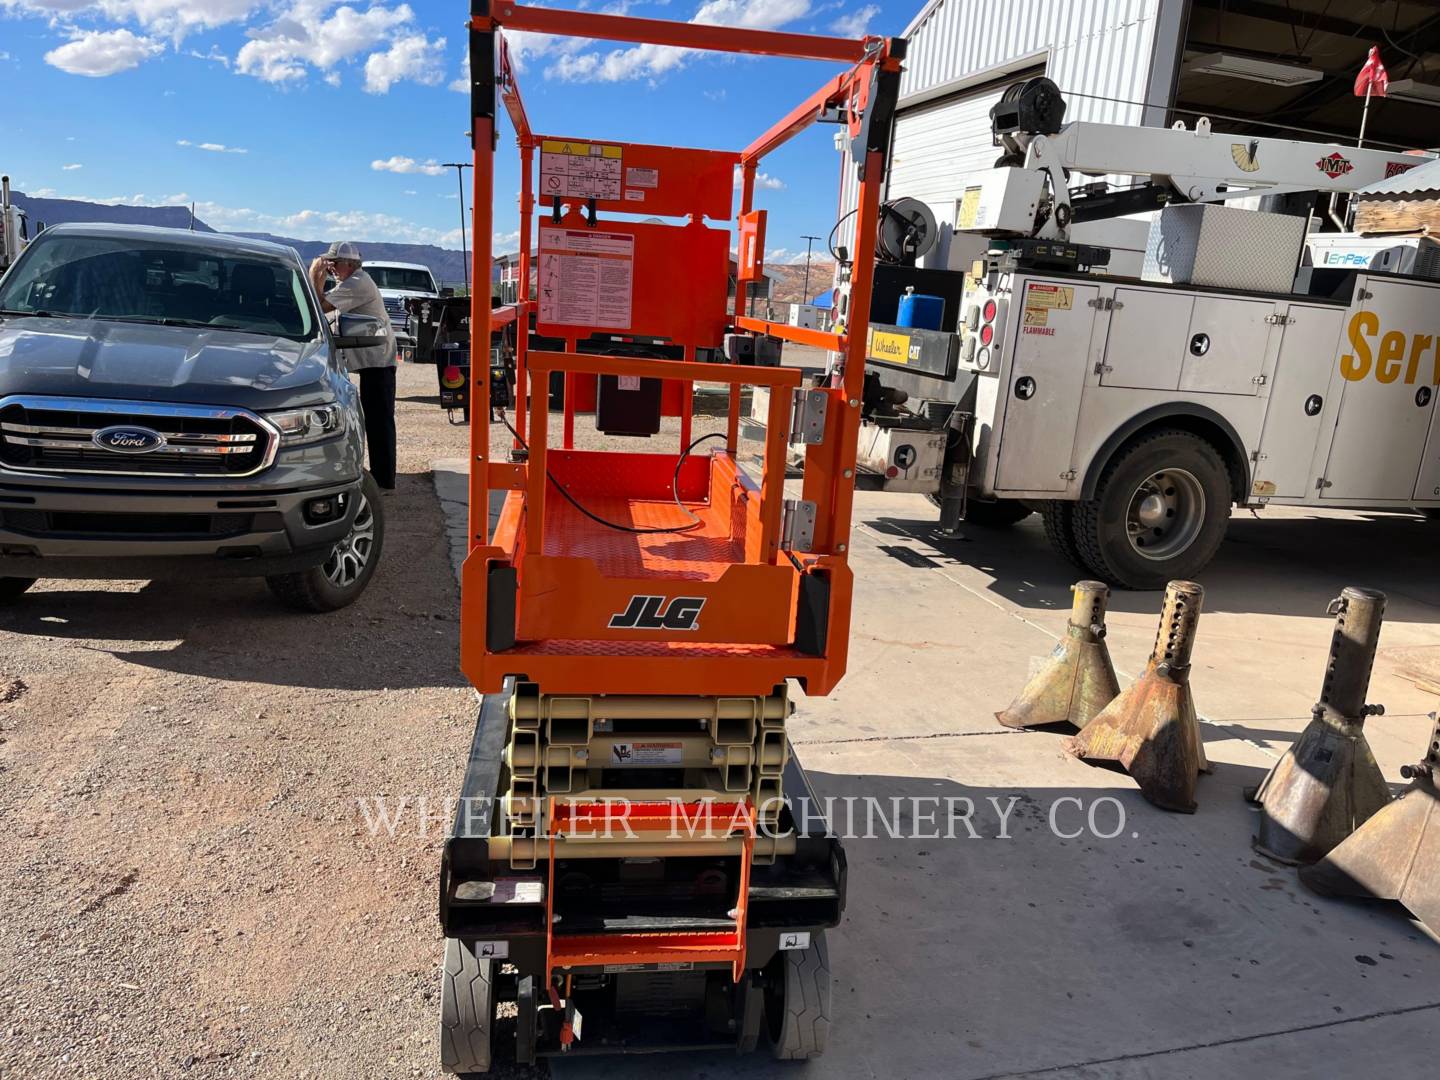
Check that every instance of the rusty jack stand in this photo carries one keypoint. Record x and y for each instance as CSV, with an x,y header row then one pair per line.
x,y
1327,785
1151,729
1078,680
1396,854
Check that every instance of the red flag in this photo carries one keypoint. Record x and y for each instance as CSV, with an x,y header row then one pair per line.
x,y
1373,78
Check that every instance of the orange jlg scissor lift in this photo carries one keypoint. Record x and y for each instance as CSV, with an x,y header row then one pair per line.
x,y
637,860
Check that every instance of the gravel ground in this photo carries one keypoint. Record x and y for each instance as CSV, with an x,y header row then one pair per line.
x,y
188,885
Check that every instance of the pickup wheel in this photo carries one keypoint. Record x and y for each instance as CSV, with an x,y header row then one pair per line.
x,y
1059,519
342,577
12,588
1159,513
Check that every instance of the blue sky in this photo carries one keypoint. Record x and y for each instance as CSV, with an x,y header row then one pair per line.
x,y
319,120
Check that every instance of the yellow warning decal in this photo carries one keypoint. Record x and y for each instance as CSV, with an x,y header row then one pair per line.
x,y
894,348
578,149
969,208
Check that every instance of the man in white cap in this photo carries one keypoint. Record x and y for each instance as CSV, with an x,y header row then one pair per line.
x,y
355,293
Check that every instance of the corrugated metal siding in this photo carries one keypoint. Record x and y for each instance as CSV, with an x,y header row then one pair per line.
x,y
1098,47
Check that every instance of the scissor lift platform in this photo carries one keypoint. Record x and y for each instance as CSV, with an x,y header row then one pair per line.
x,y
638,860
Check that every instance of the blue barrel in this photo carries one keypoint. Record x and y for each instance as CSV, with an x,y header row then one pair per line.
x,y
921,312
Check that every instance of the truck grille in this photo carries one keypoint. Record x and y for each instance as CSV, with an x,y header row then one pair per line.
x,y
57,435
399,317
168,526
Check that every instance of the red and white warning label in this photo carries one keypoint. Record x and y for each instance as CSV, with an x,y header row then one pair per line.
x,y
586,278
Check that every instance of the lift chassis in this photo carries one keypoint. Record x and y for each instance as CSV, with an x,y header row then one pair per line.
x,y
638,860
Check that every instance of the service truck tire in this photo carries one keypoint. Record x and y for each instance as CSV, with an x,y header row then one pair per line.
x,y
799,1016
1059,519
995,514
467,1010
12,588
339,581
998,514
1159,513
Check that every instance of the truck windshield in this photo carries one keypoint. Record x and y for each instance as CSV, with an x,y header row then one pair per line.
x,y
143,280
401,278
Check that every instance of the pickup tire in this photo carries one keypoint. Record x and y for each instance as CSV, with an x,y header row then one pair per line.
x,y
12,588
1160,511
339,581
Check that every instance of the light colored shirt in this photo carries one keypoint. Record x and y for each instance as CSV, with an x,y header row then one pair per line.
x,y
359,295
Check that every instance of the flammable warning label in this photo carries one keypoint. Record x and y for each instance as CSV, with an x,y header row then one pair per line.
x,y
1041,299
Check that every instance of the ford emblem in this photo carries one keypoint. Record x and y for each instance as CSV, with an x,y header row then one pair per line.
x,y
128,439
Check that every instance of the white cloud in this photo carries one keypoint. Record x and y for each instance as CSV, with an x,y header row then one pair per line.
x,y
857,22
505,242
214,56
407,166
652,61
212,147
414,57
303,36
169,18
96,53
411,193
763,180
71,168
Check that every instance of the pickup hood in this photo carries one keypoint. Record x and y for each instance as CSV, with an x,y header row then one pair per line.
x,y
136,361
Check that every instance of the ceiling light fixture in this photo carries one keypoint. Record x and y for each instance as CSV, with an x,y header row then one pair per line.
x,y
1254,69
1410,90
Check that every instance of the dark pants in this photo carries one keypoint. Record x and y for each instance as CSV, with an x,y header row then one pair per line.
x,y
377,398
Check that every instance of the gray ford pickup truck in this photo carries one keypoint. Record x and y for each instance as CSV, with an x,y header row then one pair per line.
x,y
174,404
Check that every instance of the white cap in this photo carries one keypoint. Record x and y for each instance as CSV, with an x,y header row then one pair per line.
x,y
343,249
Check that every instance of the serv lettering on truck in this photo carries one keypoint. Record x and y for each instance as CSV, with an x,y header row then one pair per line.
x,y
1396,352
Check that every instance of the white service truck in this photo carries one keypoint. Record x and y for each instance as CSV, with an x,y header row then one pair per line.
x,y
14,234
1134,413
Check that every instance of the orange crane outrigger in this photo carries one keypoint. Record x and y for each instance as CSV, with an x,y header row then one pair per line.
x,y
627,865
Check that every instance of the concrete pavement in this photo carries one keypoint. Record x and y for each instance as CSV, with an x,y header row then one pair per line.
x,y
1171,949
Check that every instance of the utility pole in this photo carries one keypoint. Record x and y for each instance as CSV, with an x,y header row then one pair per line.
x,y
805,297
460,167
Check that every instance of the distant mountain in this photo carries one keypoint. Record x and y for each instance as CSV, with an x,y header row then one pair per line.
x,y
64,211
789,286
448,266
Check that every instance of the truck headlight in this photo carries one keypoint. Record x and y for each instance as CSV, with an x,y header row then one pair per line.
x,y
313,423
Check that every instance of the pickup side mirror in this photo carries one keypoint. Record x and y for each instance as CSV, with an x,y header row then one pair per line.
x,y
358,332
446,293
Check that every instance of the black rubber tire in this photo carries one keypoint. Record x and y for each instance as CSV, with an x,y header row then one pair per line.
x,y
467,1010
1100,531
997,514
12,588
311,590
1059,519
802,1027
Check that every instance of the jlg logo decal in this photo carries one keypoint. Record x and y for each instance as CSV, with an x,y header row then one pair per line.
x,y
1414,355
652,613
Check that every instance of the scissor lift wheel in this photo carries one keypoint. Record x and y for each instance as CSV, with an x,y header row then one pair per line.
x,y
467,1010
797,1003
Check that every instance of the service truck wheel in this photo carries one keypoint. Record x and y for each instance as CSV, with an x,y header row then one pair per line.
x,y
1159,513
1059,519
339,581
798,1002
12,588
467,1010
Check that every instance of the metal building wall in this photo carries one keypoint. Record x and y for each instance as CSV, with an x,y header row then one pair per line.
x,y
1106,56
1096,47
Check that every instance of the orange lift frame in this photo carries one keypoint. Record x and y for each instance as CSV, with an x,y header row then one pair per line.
x,y
864,95
549,591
